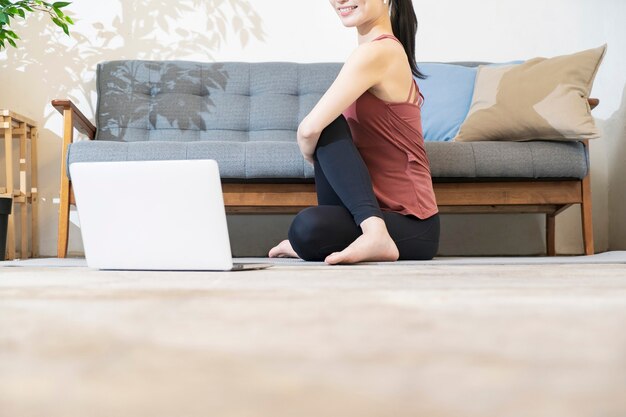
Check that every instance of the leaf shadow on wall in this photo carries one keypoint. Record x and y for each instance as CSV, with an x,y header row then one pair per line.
x,y
171,99
64,71
48,65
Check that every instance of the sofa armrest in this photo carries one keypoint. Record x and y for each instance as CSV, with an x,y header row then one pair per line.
x,y
74,118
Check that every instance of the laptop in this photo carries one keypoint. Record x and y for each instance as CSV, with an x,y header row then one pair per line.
x,y
153,215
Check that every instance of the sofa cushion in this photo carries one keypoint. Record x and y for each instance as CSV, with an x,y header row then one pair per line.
x,y
531,160
182,101
448,87
539,99
253,160
242,160
447,91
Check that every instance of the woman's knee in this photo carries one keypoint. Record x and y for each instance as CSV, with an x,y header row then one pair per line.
x,y
303,233
316,230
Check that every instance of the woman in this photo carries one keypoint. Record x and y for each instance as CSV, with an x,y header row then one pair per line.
x,y
364,137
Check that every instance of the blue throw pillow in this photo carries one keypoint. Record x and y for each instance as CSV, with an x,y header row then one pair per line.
x,y
448,92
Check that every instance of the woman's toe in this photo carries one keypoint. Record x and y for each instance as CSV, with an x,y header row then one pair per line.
x,y
333,258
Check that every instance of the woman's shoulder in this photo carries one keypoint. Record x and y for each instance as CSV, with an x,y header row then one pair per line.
x,y
381,45
381,53
377,53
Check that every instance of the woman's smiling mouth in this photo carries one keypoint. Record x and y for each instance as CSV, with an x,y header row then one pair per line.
x,y
345,11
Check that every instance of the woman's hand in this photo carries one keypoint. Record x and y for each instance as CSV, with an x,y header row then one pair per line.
x,y
307,150
307,142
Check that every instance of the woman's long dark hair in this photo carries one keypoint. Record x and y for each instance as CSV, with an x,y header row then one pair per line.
x,y
404,25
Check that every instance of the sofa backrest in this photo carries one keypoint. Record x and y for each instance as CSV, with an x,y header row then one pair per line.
x,y
192,101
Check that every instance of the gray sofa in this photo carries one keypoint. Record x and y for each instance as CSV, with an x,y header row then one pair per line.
x,y
245,116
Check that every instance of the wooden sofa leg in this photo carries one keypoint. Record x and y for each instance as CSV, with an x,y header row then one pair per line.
x,y
586,216
64,218
64,208
550,234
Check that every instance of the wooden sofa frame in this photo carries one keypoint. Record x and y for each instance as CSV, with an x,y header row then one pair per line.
x,y
527,196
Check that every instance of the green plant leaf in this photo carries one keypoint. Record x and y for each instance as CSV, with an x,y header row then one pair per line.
x,y
13,9
61,24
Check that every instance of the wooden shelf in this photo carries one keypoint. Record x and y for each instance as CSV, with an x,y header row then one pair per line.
x,y
15,126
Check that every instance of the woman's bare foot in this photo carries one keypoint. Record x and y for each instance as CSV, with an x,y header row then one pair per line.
x,y
374,244
283,250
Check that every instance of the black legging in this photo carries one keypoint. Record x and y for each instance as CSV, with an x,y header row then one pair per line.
x,y
345,198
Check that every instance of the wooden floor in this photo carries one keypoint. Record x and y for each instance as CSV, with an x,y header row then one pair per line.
x,y
367,340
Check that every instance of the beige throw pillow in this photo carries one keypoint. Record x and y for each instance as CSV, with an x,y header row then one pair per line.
x,y
539,99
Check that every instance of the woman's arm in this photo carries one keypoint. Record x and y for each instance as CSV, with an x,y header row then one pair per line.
x,y
364,68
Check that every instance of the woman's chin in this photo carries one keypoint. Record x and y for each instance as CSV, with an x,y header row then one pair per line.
x,y
348,23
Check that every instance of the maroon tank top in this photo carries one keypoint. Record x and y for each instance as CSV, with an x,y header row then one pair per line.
x,y
389,137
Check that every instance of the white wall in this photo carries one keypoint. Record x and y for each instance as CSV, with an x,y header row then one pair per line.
x,y
49,65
